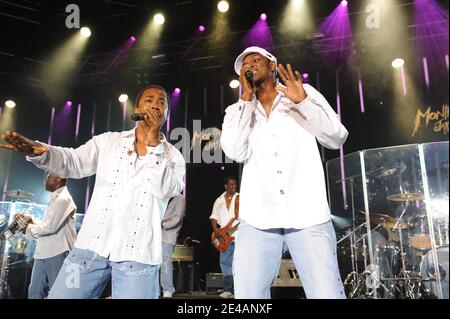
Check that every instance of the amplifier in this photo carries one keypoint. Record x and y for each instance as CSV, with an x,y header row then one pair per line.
x,y
214,280
288,276
183,253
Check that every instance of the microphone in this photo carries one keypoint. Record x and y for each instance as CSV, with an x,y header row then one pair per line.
x,y
138,117
249,76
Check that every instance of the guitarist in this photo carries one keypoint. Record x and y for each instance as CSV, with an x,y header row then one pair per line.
x,y
225,208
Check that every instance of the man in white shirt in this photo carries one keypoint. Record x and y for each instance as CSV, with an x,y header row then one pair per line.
x,y
225,208
137,172
273,130
171,226
56,235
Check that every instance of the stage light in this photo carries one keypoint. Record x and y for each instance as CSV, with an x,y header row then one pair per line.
x,y
85,32
201,28
177,91
263,17
10,104
133,39
123,98
159,19
398,63
305,76
234,84
344,3
223,6
69,103
297,3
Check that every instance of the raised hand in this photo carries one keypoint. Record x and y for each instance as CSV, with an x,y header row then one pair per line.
x,y
19,143
294,86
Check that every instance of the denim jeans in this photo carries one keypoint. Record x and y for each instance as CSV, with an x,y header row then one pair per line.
x,y
313,251
166,273
44,275
226,264
85,274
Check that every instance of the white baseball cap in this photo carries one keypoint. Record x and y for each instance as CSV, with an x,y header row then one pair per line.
x,y
240,59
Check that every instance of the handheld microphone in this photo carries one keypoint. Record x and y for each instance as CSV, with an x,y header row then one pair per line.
x,y
249,76
138,117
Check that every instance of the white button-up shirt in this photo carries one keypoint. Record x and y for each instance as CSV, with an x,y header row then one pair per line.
x,y
221,213
123,221
56,232
283,184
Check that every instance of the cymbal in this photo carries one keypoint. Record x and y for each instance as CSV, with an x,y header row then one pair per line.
x,y
407,197
387,221
17,193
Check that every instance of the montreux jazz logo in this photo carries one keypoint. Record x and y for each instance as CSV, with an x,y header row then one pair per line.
x,y
439,119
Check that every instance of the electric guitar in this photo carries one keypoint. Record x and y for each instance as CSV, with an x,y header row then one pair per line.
x,y
226,232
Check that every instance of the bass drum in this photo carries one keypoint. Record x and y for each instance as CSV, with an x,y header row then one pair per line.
x,y
429,273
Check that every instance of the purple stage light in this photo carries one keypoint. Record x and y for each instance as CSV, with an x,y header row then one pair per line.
x,y
263,17
177,91
431,36
335,44
201,28
305,77
344,3
258,35
133,39
69,103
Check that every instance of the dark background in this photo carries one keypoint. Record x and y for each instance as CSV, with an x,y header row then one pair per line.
x,y
31,30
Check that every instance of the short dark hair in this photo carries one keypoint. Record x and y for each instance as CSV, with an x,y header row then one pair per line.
x,y
155,86
228,179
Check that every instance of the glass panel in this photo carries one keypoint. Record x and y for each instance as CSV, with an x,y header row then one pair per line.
x,y
18,251
434,265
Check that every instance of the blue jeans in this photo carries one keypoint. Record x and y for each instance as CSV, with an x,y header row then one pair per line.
x,y
166,273
226,264
313,251
85,274
44,275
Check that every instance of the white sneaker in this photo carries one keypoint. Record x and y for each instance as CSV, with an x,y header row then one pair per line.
x,y
167,294
226,295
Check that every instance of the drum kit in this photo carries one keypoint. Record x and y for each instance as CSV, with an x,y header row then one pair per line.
x,y
14,259
391,251
392,257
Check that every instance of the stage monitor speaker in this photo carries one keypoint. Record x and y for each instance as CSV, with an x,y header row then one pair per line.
x,y
288,276
214,281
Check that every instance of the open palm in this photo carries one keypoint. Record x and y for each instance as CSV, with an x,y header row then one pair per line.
x,y
294,86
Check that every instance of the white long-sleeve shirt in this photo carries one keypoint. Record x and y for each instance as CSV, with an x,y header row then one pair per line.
x,y
123,221
56,232
283,184
221,213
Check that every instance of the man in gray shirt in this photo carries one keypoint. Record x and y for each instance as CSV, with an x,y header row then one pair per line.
x,y
171,225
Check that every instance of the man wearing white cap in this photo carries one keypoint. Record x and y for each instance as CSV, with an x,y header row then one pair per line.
x,y
273,130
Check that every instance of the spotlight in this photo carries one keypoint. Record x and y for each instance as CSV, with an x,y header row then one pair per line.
x,y
85,32
305,77
263,17
159,19
133,39
201,28
177,91
298,3
10,104
344,3
398,63
69,103
223,6
234,84
123,98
